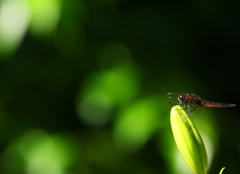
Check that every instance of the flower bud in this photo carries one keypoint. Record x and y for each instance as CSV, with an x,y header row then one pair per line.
x,y
188,140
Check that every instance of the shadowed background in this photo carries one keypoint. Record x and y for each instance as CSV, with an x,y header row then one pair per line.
x,y
83,84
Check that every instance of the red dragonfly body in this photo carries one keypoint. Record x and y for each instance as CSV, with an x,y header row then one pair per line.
x,y
191,101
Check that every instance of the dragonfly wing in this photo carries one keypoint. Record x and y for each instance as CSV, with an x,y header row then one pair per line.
x,y
172,98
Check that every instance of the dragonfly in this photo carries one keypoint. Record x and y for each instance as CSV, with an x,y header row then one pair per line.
x,y
190,102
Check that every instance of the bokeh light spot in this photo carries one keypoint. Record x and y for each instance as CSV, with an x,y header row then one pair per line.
x,y
14,20
45,154
103,91
45,16
136,124
120,83
95,110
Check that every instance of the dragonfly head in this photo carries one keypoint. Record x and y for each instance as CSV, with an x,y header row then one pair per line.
x,y
181,98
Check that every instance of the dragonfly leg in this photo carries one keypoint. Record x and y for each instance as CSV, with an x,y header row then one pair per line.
x,y
191,108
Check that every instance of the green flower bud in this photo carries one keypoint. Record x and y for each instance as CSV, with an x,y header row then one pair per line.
x,y
222,170
188,140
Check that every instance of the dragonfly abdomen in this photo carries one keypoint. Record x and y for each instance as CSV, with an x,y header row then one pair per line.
x,y
217,105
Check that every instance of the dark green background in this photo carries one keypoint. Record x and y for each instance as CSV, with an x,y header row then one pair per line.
x,y
115,59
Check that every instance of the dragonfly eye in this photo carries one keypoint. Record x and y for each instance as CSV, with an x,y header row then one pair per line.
x,y
181,98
